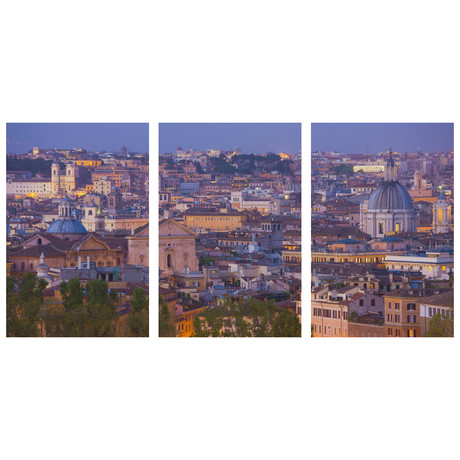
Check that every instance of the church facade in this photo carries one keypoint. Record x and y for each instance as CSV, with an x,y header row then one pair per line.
x,y
177,248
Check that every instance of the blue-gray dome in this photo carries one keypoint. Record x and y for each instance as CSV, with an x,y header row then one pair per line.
x,y
66,225
390,195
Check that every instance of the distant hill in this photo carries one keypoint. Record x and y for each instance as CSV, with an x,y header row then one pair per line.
x,y
34,166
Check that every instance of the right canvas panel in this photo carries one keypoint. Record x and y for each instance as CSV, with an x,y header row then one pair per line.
x,y
382,230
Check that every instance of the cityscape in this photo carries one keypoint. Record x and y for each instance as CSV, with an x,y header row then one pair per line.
x,y
230,230
382,231
77,231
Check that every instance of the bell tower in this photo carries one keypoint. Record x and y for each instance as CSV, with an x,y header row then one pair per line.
x,y
442,215
55,179
69,177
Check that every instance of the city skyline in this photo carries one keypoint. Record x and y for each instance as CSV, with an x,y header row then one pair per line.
x,y
373,138
22,137
255,138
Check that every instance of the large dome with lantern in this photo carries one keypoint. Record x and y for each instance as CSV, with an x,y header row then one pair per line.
x,y
67,223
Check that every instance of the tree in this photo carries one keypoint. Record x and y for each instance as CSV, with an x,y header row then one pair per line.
x,y
198,330
101,309
138,319
139,300
76,317
24,308
166,327
441,326
11,305
207,261
247,318
286,324
343,169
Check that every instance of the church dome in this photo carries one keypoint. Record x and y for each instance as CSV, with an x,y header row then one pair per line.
x,y
390,195
67,222
66,225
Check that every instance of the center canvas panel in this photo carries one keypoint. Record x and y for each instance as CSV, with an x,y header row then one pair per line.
x,y
230,230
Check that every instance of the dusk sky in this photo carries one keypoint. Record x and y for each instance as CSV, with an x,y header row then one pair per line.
x,y
378,137
22,137
250,137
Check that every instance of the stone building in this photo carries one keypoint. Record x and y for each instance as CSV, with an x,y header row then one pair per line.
x,y
177,247
62,181
442,215
390,208
138,246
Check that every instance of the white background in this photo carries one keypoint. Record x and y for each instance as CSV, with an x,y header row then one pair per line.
x,y
238,61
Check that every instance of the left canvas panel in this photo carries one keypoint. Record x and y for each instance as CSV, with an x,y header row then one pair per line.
x,y
77,229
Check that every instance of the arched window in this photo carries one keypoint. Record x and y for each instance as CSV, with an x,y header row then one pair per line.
x,y
90,213
31,266
169,261
39,241
23,266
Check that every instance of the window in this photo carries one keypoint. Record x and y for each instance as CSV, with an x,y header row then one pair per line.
x,y
430,312
389,305
411,306
389,332
372,302
396,305
389,317
361,302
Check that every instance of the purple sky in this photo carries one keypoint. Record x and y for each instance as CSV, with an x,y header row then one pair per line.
x,y
250,137
378,137
21,137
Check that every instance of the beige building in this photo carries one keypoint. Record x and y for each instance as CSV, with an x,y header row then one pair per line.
x,y
176,247
203,221
138,246
103,186
329,318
